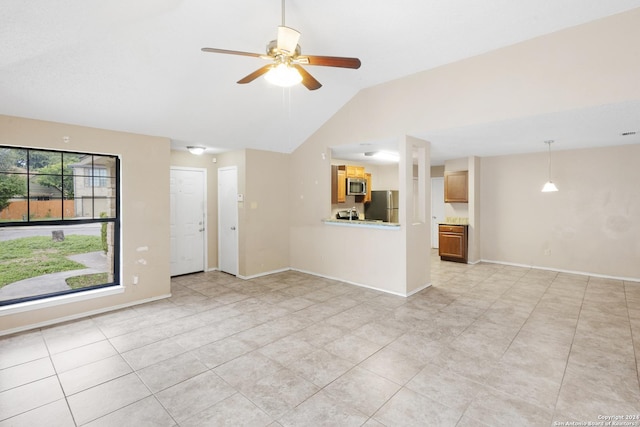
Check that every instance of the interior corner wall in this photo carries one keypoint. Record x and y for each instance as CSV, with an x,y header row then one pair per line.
x,y
144,167
266,213
589,226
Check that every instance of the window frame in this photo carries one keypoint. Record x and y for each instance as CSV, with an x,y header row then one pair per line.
x,y
64,222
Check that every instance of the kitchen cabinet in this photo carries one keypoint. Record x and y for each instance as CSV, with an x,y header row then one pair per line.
x,y
338,184
453,242
456,187
367,198
355,171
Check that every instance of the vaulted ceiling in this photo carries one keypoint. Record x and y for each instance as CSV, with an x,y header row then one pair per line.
x,y
136,66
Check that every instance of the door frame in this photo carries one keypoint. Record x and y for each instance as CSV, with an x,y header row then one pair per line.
x,y
204,210
237,234
436,202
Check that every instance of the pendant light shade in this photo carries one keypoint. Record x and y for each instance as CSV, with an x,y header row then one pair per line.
x,y
549,186
283,75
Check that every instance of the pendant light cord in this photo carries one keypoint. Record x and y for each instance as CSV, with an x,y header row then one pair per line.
x,y
549,157
549,144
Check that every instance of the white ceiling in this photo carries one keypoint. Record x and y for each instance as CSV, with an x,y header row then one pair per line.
x,y
136,66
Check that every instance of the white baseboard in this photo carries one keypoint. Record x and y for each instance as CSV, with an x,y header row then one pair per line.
x,y
80,315
266,273
559,270
362,285
423,287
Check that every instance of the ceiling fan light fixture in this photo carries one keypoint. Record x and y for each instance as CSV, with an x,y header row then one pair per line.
x,y
283,75
387,156
196,149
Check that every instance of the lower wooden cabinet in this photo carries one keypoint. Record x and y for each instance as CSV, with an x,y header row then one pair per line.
x,y
453,242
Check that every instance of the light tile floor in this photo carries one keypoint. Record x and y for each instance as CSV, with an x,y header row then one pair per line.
x,y
486,345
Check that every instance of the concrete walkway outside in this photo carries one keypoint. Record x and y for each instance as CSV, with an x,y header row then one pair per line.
x,y
96,262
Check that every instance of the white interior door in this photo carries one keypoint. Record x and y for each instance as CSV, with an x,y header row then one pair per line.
x,y
228,220
437,208
187,205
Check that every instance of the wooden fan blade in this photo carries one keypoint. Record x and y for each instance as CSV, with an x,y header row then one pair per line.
x,y
257,73
308,80
333,61
230,52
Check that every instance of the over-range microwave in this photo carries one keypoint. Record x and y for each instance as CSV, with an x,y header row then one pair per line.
x,y
356,187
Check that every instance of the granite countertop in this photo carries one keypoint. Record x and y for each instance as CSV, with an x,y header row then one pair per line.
x,y
455,220
365,223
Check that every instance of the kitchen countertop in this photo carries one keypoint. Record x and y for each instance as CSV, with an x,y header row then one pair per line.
x,y
364,223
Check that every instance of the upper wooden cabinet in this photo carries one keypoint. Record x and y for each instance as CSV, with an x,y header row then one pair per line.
x,y
338,184
367,198
355,171
456,187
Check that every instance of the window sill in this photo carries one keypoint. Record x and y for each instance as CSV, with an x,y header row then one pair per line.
x,y
59,300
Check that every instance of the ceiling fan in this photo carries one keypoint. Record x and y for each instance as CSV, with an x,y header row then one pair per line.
x,y
284,54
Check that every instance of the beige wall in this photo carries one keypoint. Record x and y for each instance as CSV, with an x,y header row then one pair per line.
x,y
145,222
437,171
265,229
590,225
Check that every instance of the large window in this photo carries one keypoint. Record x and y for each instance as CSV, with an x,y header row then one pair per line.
x,y
59,223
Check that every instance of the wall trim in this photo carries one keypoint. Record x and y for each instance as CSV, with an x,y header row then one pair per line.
x,y
80,315
359,284
581,273
422,288
266,273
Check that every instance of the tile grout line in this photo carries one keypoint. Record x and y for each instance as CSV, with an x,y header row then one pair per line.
x,y
575,331
633,341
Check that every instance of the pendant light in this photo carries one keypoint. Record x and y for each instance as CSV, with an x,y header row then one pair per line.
x,y
549,186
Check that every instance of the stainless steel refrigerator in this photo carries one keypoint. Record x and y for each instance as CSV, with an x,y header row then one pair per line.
x,y
383,206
